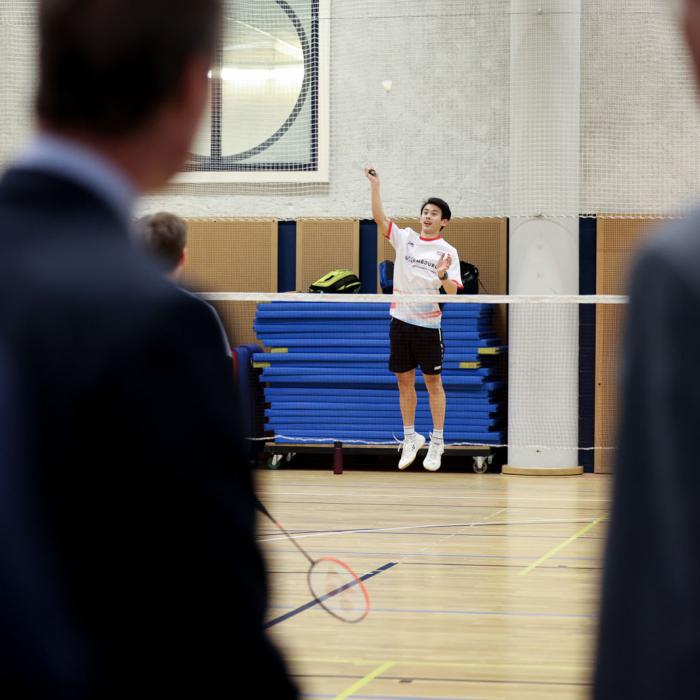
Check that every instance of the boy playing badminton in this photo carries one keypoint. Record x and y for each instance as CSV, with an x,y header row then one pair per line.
x,y
424,263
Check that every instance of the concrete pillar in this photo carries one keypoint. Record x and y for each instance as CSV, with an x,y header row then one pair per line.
x,y
545,81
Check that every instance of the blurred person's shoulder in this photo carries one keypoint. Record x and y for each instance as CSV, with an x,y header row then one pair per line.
x,y
673,249
74,278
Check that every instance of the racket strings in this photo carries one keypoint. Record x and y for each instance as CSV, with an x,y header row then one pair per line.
x,y
338,589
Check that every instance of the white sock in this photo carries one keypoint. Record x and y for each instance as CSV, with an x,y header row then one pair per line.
x,y
409,431
436,436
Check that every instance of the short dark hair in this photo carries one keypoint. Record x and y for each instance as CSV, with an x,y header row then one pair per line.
x,y
165,237
106,66
441,204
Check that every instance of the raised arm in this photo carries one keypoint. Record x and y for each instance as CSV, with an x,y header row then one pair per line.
x,y
380,218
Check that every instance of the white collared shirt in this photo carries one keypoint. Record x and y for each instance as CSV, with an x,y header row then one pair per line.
x,y
415,272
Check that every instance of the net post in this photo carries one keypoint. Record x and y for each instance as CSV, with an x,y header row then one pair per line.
x,y
338,458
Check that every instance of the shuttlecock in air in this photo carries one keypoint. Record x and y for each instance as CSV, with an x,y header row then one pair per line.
x,y
386,84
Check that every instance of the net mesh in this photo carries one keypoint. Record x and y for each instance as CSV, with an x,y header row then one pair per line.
x,y
17,74
489,104
321,369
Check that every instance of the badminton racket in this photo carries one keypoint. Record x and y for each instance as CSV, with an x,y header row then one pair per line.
x,y
332,583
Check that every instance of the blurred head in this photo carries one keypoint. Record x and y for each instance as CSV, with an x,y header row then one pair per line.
x,y
111,71
435,214
165,238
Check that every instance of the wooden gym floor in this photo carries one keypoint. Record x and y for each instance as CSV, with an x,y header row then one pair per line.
x,y
494,594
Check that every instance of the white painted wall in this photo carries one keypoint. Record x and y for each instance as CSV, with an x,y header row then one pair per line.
x,y
17,71
444,127
640,117
441,131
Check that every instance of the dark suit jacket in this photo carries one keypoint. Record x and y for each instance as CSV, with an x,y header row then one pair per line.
x,y
649,640
128,566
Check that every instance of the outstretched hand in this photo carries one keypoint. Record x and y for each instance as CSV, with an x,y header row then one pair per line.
x,y
444,263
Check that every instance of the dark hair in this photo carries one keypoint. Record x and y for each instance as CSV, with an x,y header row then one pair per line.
x,y
165,237
441,204
106,66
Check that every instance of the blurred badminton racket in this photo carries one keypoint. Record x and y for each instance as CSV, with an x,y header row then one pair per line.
x,y
332,583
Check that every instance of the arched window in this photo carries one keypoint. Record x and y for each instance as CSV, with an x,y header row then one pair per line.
x,y
268,115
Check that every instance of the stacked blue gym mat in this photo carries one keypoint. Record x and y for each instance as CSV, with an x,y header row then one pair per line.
x,y
326,376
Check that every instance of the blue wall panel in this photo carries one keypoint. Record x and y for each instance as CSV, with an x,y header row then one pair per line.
x,y
287,257
587,285
368,256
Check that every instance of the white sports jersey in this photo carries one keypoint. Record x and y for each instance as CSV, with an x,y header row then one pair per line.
x,y
415,272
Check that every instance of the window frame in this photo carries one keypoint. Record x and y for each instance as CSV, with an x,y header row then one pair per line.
x,y
316,46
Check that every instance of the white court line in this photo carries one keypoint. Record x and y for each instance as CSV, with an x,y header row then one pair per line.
x,y
437,544
433,546
478,523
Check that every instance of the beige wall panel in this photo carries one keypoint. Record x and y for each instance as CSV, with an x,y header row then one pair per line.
x,y
617,242
238,318
233,255
325,245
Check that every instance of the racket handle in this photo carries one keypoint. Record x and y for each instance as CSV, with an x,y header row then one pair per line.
x,y
372,172
262,509
338,458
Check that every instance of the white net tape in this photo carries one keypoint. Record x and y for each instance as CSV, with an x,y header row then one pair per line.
x,y
511,299
490,104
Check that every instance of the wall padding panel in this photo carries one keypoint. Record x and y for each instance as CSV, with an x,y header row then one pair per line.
x,y
617,242
233,255
482,242
324,245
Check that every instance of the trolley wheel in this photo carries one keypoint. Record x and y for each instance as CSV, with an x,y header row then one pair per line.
x,y
274,461
290,456
480,465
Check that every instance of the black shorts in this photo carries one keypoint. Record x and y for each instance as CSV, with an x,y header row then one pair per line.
x,y
415,346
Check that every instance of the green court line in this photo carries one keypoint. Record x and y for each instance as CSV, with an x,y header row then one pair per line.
x,y
365,681
561,546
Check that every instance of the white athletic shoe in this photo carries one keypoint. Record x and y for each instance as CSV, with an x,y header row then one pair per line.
x,y
433,459
409,449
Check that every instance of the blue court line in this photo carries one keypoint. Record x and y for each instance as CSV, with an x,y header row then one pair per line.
x,y
476,613
313,603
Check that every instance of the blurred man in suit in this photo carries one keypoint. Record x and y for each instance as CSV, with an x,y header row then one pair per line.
x,y
128,566
649,637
